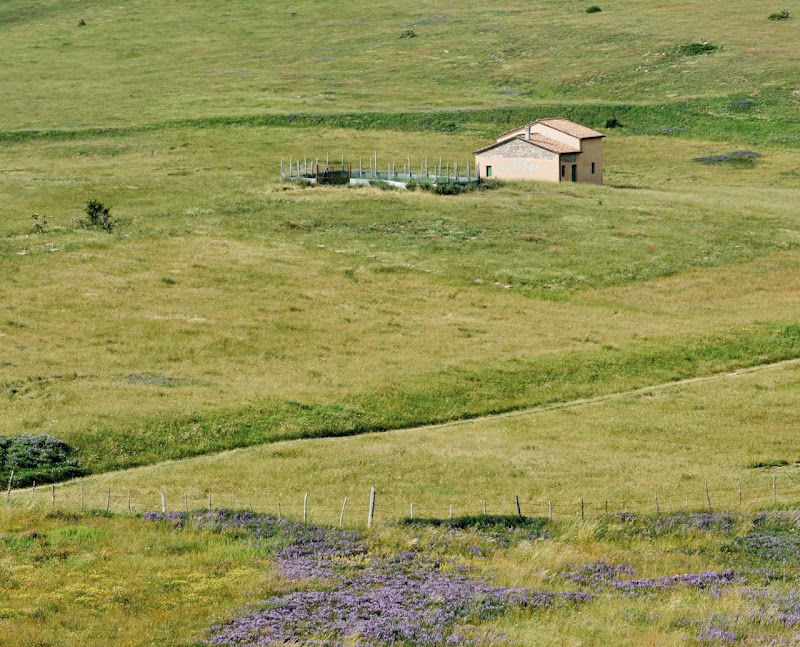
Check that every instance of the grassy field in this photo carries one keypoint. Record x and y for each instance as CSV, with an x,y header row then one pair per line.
x,y
227,309
243,337
198,60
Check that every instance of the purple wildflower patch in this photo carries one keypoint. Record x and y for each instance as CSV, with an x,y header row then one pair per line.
x,y
407,598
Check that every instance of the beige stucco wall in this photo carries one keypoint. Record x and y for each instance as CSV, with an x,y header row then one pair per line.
x,y
517,160
556,135
592,151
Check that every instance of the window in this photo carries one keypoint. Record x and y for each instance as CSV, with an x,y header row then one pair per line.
x,y
592,168
488,171
563,170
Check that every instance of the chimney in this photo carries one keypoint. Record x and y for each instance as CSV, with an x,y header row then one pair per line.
x,y
527,132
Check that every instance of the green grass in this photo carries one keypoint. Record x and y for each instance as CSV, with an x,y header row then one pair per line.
x,y
672,441
224,304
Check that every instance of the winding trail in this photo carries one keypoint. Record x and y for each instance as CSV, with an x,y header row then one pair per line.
x,y
568,404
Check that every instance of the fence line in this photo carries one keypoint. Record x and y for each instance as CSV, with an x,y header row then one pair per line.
x,y
321,170
392,508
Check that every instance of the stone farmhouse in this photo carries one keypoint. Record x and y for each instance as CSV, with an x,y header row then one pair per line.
x,y
553,150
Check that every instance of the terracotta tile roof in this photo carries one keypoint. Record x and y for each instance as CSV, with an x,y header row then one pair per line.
x,y
570,128
558,123
536,140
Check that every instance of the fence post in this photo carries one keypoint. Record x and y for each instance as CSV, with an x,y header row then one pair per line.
x,y
305,507
186,503
209,501
376,164
658,510
290,167
282,175
582,517
371,514
163,503
279,511
108,500
412,512
484,507
519,511
451,510
740,491
708,497
341,516
550,510
81,497
360,166
774,491
53,492
8,493
129,500
455,171
33,492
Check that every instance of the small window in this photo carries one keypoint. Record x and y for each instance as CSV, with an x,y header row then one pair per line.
x,y
488,171
563,170
592,168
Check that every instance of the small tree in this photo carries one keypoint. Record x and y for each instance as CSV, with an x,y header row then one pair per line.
x,y
98,217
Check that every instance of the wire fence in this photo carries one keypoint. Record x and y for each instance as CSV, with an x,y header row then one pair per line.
x,y
439,171
358,509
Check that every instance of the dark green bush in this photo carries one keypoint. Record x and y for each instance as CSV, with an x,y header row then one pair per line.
x,y
781,15
693,49
40,458
593,9
408,33
613,123
97,217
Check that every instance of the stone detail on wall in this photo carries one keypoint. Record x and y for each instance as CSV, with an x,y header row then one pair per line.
x,y
517,148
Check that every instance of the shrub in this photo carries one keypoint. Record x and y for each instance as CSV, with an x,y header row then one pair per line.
x,y
382,185
693,49
41,458
781,15
408,33
593,9
98,217
39,224
613,123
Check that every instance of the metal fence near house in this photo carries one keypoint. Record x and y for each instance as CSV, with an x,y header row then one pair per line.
x,y
329,170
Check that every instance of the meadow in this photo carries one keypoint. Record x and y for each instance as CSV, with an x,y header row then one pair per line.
x,y
625,350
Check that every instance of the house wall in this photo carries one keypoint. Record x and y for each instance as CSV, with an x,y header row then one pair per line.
x,y
592,151
517,160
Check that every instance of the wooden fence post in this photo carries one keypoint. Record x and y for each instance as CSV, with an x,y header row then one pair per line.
x,y
8,493
550,510
305,507
53,492
412,512
740,491
774,491
341,516
33,493
451,510
484,507
582,517
163,503
658,510
209,501
279,511
371,514
108,500
519,511
129,500
708,497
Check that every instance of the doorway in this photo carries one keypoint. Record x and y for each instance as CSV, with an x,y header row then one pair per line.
x,y
574,172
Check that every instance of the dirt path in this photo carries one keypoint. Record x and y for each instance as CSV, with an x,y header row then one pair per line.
x,y
604,398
